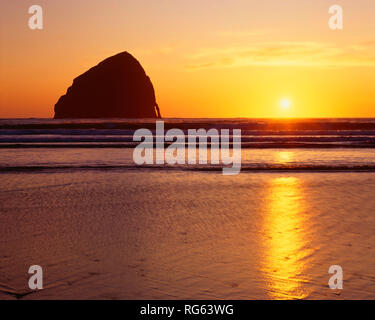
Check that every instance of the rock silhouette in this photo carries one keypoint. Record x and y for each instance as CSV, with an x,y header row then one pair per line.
x,y
117,87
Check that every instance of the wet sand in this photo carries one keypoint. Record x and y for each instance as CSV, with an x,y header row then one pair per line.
x,y
151,234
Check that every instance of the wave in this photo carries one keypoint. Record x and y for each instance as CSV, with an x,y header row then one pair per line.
x,y
185,123
209,168
128,138
255,133
244,145
130,132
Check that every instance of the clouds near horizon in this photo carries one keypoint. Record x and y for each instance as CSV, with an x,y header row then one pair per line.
x,y
284,53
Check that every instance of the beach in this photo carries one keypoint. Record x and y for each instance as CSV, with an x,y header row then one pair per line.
x,y
187,235
102,227
190,158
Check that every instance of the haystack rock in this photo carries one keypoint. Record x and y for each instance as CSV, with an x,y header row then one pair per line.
x,y
117,87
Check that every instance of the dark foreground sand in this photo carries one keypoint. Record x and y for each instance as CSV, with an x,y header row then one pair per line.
x,y
149,234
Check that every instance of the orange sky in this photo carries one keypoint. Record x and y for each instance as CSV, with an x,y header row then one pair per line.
x,y
222,58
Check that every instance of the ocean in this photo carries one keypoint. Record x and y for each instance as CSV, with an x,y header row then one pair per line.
x,y
306,144
73,201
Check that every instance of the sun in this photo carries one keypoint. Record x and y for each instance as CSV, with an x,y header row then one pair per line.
x,y
285,104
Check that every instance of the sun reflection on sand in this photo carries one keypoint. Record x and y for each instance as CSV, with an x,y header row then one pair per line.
x,y
284,227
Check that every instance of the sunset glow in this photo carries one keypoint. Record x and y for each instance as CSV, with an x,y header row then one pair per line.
x,y
205,59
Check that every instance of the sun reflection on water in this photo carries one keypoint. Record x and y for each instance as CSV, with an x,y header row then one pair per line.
x,y
285,227
284,157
